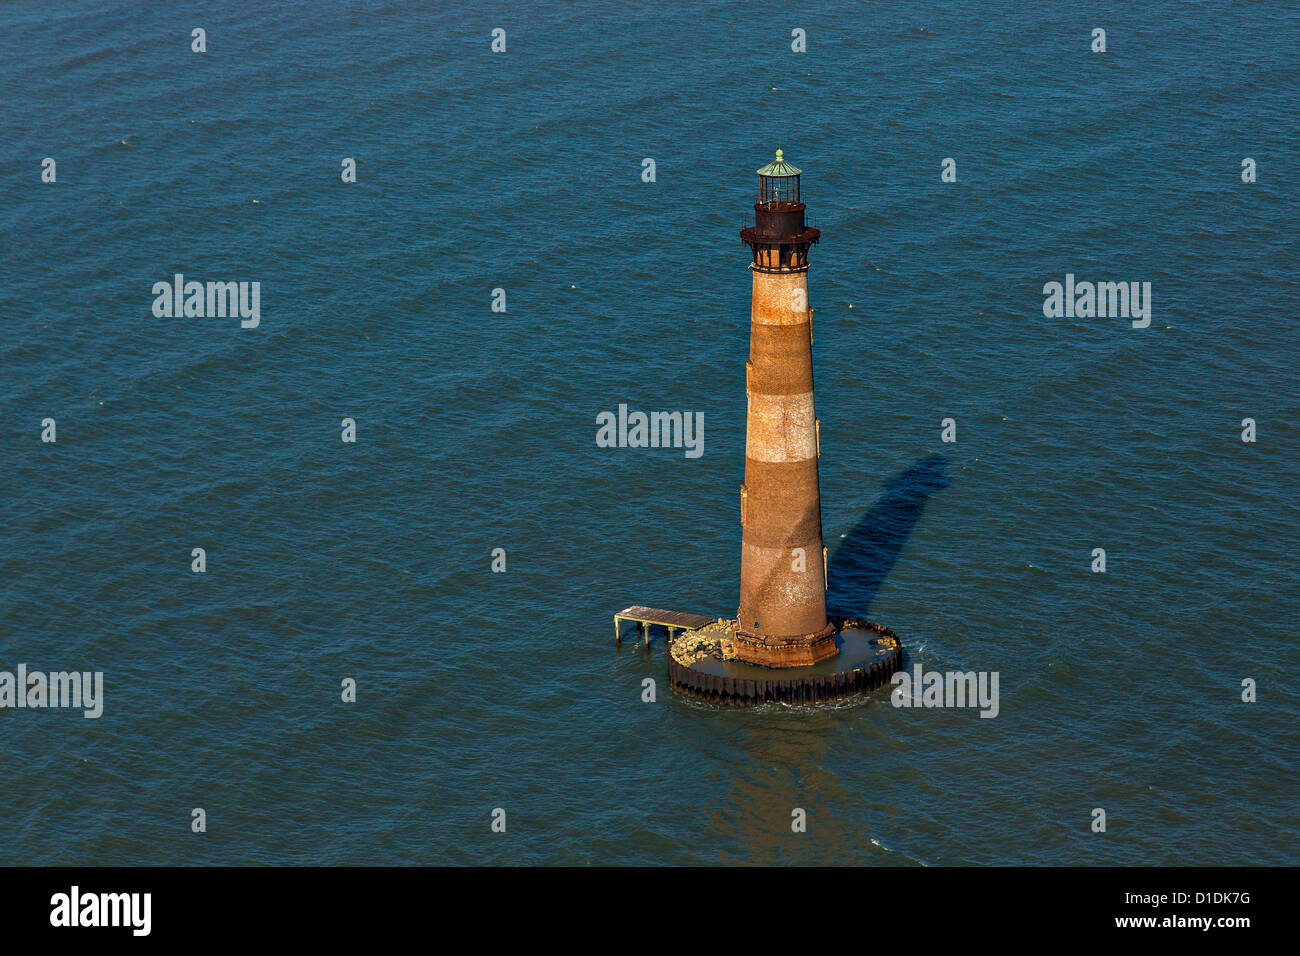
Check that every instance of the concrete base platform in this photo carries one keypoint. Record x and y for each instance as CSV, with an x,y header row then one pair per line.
x,y
803,651
869,654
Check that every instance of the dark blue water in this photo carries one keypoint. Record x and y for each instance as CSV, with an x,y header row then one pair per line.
x,y
522,171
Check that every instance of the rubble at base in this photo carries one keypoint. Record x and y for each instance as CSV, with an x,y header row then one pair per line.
x,y
704,643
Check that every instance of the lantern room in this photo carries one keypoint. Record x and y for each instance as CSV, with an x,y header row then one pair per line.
x,y
778,182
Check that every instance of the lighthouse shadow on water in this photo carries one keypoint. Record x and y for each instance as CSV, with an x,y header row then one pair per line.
x,y
868,552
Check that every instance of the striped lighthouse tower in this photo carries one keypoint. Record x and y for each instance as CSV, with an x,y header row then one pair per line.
x,y
781,621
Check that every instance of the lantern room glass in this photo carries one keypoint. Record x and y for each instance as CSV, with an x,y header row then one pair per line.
x,y
778,189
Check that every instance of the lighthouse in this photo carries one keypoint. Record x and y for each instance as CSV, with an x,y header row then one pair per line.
x,y
781,647
781,620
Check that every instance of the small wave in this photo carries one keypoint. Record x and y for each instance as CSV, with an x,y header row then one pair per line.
x,y
887,849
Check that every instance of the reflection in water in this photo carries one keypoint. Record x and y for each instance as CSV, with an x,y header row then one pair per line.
x,y
785,749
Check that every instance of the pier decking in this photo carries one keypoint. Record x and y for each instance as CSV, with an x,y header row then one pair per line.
x,y
646,616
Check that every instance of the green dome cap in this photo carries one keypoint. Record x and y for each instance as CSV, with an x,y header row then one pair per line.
x,y
779,167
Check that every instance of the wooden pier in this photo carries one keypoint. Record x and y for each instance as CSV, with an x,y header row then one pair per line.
x,y
646,616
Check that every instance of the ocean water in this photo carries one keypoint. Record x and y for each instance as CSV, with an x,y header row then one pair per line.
x,y
475,429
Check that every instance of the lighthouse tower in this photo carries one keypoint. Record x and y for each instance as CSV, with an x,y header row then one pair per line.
x,y
781,621
781,647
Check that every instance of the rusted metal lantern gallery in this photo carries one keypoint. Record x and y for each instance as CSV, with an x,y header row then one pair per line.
x,y
779,237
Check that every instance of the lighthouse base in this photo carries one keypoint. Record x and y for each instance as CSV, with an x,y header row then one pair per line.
x,y
800,651
867,656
